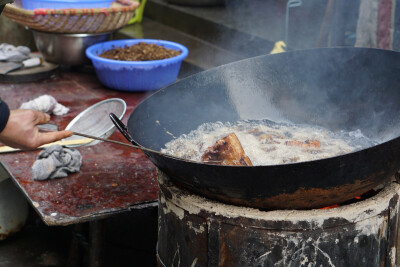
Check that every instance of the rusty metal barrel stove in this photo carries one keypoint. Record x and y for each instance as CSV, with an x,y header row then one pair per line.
x,y
195,231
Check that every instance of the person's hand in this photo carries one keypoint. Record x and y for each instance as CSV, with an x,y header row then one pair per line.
x,y
21,131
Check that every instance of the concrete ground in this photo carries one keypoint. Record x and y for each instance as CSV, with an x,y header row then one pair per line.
x,y
130,240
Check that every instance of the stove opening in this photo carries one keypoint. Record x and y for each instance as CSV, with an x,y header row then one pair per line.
x,y
356,199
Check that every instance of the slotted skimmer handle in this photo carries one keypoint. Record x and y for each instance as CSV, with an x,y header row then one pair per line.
x,y
122,128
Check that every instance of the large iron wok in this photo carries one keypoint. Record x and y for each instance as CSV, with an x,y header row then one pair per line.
x,y
336,88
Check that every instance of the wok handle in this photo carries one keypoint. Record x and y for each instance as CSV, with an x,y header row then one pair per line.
x,y
122,128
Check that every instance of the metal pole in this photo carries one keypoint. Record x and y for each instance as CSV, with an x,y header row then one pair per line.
x,y
290,4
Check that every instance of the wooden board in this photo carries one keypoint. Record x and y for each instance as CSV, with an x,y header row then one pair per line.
x,y
31,74
73,142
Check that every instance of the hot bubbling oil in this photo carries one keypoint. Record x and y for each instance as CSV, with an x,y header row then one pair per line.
x,y
265,142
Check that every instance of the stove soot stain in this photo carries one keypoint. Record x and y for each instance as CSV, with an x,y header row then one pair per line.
x,y
298,249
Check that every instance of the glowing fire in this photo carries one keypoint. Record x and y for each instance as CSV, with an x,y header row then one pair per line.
x,y
356,199
330,207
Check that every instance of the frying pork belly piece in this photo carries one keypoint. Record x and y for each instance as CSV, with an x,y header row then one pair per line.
x,y
227,151
290,160
269,139
305,144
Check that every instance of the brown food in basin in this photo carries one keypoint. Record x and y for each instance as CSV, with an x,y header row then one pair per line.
x,y
140,52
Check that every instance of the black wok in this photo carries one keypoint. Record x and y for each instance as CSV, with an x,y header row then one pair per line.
x,y
336,88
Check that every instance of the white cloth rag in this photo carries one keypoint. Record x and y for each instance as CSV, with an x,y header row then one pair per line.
x,y
47,104
55,162
12,53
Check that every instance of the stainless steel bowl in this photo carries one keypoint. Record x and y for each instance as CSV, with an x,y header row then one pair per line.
x,y
67,49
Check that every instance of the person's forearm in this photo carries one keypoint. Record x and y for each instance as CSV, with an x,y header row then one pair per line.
x,y
4,115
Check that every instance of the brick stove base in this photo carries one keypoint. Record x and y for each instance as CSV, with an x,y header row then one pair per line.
x,y
194,231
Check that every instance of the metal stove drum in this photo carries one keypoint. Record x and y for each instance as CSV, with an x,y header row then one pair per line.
x,y
196,231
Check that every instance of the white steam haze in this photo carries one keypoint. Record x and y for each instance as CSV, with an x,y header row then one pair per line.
x,y
251,104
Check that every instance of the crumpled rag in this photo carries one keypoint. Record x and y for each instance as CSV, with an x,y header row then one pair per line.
x,y
55,162
12,53
47,104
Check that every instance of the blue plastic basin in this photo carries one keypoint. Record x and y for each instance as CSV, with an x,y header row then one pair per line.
x,y
136,75
61,4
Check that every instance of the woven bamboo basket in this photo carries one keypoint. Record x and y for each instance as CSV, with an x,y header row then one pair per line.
x,y
90,20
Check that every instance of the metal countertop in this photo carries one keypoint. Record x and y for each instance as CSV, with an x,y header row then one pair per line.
x,y
112,179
